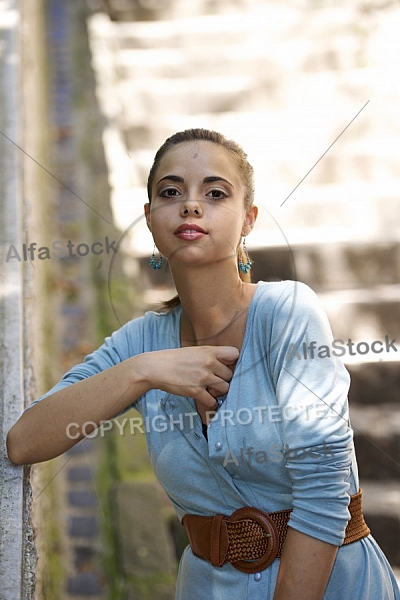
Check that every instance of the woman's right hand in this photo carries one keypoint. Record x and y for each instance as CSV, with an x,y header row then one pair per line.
x,y
199,372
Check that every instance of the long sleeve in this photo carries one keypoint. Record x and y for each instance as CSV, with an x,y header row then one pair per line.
x,y
119,346
311,390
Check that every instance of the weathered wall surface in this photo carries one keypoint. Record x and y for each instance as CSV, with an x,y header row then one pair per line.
x,y
22,297
48,312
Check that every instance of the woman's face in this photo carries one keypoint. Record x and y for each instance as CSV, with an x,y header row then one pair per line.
x,y
197,212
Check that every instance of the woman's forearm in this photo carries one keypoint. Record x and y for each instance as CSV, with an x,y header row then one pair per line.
x,y
305,568
42,432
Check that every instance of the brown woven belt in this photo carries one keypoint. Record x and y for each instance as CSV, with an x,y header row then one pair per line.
x,y
251,539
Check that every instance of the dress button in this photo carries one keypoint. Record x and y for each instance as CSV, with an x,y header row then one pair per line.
x,y
257,577
218,445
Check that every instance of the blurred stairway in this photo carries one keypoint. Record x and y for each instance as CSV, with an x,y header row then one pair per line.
x,y
284,80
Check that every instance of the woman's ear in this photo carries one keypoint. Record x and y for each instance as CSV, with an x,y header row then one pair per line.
x,y
147,214
249,220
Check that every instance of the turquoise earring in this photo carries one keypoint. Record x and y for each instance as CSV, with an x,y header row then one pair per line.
x,y
156,264
245,268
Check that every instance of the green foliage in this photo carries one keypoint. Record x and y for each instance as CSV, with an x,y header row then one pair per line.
x,y
51,576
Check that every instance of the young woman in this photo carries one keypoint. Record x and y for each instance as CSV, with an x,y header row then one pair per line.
x,y
244,399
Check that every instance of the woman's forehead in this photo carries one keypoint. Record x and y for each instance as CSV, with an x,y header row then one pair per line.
x,y
201,153
203,149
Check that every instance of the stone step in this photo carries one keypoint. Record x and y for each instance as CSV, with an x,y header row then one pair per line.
x,y
210,30
233,59
82,499
80,474
377,457
262,89
246,57
326,213
381,507
163,51
365,316
173,63
348,92
83,526
374,384
183,95
377,440
257,58
381,497
85,585
165,10
328,267
314,40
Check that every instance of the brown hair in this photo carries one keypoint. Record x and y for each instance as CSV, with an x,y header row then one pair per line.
x,y
245,170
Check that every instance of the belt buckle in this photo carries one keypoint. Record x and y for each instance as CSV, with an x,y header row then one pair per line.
x,y
267,524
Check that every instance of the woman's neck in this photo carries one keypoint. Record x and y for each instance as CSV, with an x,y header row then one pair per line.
x,y
214,304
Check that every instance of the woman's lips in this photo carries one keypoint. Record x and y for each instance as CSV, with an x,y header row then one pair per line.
x,y
190,235
189,231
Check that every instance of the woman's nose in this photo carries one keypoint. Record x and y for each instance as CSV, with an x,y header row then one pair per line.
x,y
191,206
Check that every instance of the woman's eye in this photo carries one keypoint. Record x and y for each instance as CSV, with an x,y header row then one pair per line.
x,y
217,194
169,193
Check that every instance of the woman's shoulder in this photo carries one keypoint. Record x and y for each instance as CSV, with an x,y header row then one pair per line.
x,y
157,318
289,302
288,306
152,331
284,293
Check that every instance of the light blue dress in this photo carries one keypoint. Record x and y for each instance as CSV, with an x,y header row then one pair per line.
x,y
281,439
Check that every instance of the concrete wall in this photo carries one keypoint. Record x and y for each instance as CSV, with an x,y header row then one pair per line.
x,y
21,286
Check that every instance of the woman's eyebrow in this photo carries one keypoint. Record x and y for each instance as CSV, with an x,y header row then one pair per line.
x,y
213,178
172,178
178,179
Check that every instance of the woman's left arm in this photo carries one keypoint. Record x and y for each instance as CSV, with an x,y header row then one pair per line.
x,y
311,387
305,567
